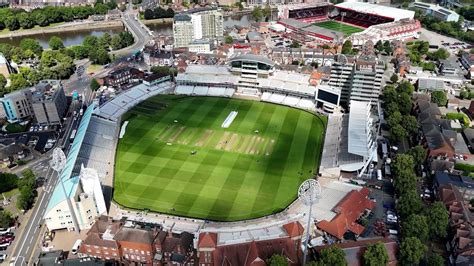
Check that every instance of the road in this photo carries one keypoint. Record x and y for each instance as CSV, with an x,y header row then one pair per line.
x,y
140,32
26,241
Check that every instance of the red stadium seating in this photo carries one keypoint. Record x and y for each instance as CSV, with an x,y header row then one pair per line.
x,y
361,19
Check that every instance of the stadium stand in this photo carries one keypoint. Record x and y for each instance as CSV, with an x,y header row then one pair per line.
x,y
398,30
204,91
308,12
116,107
366,14
200,90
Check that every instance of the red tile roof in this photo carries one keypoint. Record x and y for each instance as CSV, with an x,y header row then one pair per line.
x,y
255,253
294,229
354,250
207,240
348,211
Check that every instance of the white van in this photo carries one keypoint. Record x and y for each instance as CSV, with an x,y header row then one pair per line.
x,y
393,232
379,174
76,246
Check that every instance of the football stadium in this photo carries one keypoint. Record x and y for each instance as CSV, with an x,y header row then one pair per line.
x,y
325,22
215,158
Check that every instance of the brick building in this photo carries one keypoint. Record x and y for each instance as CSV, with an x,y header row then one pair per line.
x,y
100,242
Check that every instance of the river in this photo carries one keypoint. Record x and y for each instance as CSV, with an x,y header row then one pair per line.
x,y
76,37
69,38
167,28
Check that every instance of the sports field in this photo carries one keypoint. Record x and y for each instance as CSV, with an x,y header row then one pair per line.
x,y
337,26
178,157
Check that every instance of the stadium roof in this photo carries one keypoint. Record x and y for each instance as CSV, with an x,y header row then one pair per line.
x,y
358,128
255,58
384,11
70,184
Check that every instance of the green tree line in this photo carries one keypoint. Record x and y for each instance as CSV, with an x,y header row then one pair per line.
x,y
14,19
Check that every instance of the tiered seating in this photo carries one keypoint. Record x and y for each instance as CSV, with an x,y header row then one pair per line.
x,y
200,90
97,150
266,96
291,100
216,91
306,13
306,104
277,98
186,90
362,19
119,105
229,92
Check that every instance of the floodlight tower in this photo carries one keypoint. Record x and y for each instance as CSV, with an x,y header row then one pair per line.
x,y
58,162
309,191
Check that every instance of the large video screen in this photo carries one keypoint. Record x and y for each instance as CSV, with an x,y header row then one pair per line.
x,y
327,97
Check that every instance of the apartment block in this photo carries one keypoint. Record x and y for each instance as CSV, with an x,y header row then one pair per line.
x,y
49,102
359,79
197,24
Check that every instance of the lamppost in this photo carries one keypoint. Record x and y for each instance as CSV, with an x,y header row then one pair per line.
x,y
58,162
309,191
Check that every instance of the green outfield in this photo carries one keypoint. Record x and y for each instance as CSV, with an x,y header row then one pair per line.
x,y
337,26
176,157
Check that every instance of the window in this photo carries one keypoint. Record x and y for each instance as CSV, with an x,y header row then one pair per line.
x,y
89,250
125,249
126,256
115,254
106,248
63,223
143,252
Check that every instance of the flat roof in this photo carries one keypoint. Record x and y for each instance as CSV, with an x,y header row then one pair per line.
x,y
358,134
379,10
252,57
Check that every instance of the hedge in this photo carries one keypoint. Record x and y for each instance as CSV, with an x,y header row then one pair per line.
x,y
464,167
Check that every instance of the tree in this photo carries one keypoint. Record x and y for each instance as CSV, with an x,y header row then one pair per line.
x,y
411,251
387,47
347,47
25,20
31,44
8,182
418,154
405,182
80,51
55,43
394,119
404,103
90,42
408,203
149,14
116,42
12,23
332,256
415,226
5,219
434,259
439,97
94,85
379,46
375,255
464,94
394,78
405,87
403,162
17,81
105,40
159,12
126,39
99,56
277,260
229,39
438,217
3,82
27,190
257,13
397,133
266,12
410,124
295,44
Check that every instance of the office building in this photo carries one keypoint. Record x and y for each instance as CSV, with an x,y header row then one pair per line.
x,y
197,24
17,105
359,79
436,11
49,102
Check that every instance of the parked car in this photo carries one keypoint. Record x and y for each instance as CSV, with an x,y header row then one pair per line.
x,y
3,257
